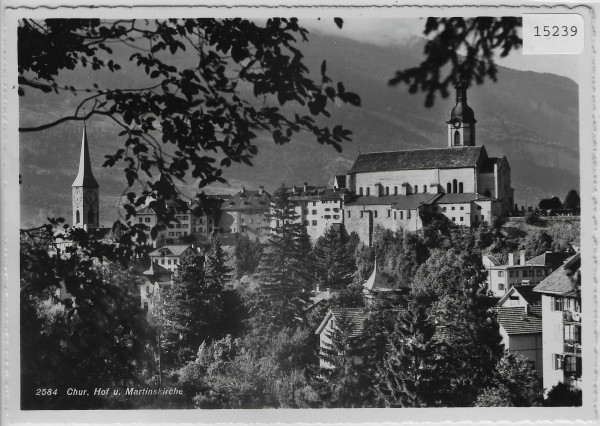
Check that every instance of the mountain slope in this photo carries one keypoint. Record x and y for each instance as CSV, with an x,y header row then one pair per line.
x,y
530,118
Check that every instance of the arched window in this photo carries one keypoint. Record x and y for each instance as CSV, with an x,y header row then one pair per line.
x,y
424,188
368,191
449,188
454,186
456,138
91,217
460,187
416,188
360,191
387,190
77,217
395,190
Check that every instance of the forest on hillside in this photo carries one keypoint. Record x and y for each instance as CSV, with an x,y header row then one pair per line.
x,y
237,327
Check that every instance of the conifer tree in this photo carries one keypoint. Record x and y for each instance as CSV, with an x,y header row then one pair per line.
x,y
192,312
247,255
285,271
410,367
451,284
345,383
334,262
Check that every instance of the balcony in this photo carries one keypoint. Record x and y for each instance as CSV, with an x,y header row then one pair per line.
x,y
572,348
570,316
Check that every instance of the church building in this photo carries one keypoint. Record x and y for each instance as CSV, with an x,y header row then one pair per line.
x,y
86,207
400,189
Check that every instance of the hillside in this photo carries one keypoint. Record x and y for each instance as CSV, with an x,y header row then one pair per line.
x,y
530,118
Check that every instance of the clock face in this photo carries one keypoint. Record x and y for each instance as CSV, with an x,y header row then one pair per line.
x,y
90,197
457,124
77,196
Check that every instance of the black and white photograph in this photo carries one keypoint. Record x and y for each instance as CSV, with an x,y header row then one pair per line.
x,y
300,210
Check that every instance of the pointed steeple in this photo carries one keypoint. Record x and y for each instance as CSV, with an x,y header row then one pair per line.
x,y
376,281
85,177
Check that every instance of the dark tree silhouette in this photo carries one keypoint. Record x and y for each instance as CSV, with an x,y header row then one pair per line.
x,y
481,38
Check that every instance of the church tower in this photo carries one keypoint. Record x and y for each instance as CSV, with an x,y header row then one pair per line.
x,y
85,191
461,126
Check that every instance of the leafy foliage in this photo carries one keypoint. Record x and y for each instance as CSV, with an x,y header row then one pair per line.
x,y
185,118
516,385
78,317
247,255
481,38
254,372
562,395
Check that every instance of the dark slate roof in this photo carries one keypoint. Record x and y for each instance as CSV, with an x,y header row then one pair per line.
x,y
404,202
413,201
515,320
488,165
562,281
438,158
247,200
157,270
175,250
528,294
146,210
549,258
341,180
356,316
466,197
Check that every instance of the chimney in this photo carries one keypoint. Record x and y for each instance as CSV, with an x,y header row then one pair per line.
x,y
317,289
522,257
261,190
511,259
294,190
243,189
305,187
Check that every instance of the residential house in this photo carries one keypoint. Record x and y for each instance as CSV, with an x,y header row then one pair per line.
x,y
561,325
520,319
518,271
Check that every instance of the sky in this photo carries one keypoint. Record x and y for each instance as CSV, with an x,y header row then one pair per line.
x,y
385,32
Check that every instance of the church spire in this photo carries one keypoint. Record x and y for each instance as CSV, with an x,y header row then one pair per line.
x,y
85,176
461,126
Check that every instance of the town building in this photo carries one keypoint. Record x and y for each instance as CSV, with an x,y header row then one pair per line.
x,y
561,325
169,257
520,320
246,213
501,278
402,189
316,207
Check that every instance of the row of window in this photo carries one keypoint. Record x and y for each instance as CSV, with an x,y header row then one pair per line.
x,y
177,234
454,187
526,273
386,190
565,304
389,214
164,261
